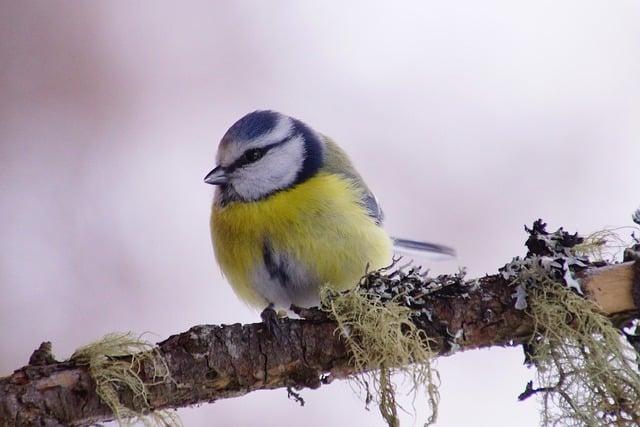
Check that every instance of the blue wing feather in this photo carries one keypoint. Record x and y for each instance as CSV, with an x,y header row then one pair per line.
x,y
425,247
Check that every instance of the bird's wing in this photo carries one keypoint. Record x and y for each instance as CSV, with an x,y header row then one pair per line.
x,y
422,249
337,161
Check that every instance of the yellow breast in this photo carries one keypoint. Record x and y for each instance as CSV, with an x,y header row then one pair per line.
x,y
319,223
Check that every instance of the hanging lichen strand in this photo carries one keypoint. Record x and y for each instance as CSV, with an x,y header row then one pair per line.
x,y
115,363
587,372
383,334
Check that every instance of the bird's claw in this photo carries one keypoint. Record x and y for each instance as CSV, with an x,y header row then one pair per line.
x,y
271,322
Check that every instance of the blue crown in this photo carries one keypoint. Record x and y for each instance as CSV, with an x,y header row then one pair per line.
x,y
253,125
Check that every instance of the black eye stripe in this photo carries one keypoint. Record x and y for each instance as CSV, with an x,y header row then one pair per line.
x,y
242,160
253,154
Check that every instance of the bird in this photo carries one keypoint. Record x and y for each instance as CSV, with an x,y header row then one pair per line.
x,y
291,214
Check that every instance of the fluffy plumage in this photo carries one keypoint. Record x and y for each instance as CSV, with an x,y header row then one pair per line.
x,y
291,213
283,248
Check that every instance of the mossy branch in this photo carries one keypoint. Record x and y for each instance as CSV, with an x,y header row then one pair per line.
x,y
210,362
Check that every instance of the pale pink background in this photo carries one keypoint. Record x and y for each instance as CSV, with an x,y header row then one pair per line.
x,y
469,119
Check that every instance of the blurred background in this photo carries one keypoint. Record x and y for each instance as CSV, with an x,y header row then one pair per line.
x,y
469,119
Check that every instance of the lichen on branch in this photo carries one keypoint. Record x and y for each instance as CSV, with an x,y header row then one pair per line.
x,y
396,320
586,370
378,319
115,364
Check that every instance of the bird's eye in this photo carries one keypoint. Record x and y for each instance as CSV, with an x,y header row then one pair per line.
x,y
253,155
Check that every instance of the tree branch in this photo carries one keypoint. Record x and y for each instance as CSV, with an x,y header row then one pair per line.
x,y
208,362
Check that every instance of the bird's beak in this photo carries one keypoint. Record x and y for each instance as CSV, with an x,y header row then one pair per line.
x,y
217,176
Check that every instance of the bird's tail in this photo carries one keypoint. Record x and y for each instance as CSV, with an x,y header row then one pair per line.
x,y
423,249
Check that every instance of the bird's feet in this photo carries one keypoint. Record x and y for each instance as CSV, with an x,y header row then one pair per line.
x,y
271,322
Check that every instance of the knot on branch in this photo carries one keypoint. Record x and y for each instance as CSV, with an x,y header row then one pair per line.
x,y
42,355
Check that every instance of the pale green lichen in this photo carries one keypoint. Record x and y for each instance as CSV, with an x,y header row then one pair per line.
x,y
587,372
602,245
384,341
115,363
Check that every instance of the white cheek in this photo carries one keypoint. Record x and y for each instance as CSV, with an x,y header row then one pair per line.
x,y
277,170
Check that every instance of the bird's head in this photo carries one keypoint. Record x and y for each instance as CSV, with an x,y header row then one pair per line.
x,y
262,153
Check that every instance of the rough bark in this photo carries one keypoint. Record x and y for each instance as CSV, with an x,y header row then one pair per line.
x,y
211,362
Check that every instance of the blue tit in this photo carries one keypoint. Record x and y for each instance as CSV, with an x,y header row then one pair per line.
x,y
291,214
